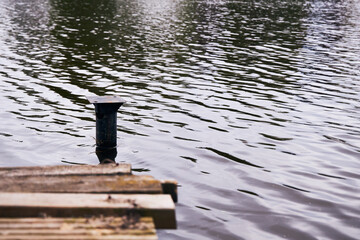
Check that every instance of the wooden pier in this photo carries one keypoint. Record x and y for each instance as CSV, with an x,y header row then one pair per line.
x,y
84,202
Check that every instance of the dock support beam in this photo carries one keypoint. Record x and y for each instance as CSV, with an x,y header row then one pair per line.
x,y
106,108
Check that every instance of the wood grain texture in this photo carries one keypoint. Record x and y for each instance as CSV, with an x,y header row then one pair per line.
x,y
105,169
82,184
101,228
158,206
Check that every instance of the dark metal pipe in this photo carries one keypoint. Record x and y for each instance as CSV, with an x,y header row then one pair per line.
x,y
106,155
105,109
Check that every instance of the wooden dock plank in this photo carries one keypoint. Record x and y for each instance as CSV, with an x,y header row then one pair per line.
x,y
158,206
104,169
53,237
82,184
83,179
101,228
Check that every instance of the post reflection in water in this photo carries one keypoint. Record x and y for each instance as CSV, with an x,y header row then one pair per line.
x,y
106,155
251,105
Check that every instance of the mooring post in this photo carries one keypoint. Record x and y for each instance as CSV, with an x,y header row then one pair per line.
x,y
105,109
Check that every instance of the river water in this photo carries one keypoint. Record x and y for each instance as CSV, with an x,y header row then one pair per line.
x,y
253,106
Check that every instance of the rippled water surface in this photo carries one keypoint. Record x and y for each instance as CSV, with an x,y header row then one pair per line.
x,y
253,106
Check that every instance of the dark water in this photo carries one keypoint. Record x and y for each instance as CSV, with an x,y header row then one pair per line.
x,y
253,106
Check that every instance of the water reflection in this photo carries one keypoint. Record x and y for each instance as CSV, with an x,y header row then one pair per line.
x,y
107,155
251,105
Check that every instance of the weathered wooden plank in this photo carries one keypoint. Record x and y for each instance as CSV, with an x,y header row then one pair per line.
x,y
101,228
74,237
81,237
115,237
77,179
104,169
82,184
158,206
78,223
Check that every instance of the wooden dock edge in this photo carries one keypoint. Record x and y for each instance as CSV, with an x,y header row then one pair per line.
x,y
67,170
100,228
170,187
103,202
158,206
